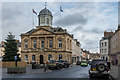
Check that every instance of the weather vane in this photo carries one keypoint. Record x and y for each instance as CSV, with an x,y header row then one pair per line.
x,y
45,4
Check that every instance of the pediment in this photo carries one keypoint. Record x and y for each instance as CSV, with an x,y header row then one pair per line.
x,y
42,31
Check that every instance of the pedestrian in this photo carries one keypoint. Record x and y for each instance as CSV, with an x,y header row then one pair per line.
x,y
45,67
116,61
112,62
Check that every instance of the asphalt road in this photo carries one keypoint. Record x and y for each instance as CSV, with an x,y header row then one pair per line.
x,y
72,73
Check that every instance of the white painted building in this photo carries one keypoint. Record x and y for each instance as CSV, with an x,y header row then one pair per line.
x,y
104,48
76,51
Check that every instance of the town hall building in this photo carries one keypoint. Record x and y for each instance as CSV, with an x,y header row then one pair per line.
x,y
45,42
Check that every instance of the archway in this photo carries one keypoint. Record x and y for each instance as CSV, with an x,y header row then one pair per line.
x,y
41,59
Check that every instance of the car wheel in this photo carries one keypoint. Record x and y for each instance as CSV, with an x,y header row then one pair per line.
x,y
60,66
66,66
101,67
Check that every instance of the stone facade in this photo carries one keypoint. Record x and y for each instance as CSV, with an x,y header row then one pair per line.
x,y
76,51
104,45
45,35
114,51
45,42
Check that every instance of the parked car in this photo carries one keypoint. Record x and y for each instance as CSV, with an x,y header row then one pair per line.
x,y
64,63
84,63
52,64
78,63
99,67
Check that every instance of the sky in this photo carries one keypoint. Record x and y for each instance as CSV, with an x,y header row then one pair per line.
x,y
86,20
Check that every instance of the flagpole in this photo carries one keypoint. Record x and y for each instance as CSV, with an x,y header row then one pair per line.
x,y
33,11
32,20
60,11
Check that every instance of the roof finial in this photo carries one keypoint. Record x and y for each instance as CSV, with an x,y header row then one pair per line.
x,y
45,4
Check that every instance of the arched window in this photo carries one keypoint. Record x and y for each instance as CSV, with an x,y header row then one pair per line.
x,y
49,57
26,57
26,45
47,20
33,57
60,57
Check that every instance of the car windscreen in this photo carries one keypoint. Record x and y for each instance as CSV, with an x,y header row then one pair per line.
x,y
83,61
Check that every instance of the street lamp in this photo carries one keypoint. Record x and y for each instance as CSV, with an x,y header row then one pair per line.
x,y
15,61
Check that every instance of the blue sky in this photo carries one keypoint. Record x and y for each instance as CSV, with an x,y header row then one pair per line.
x,y
86,20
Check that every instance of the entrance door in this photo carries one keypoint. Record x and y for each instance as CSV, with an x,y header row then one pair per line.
x,y
41,59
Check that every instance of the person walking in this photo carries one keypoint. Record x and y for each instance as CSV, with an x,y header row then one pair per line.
x,y
116,61
45,66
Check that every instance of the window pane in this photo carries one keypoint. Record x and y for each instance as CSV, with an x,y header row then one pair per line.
x,y
47,20
60,43
50,44
26,57
49,57
34,45
42,44
33,58
26,45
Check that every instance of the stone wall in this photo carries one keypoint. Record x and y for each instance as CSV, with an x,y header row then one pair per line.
x,y
12,64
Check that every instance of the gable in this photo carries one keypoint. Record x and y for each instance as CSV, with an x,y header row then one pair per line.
x,y
42,31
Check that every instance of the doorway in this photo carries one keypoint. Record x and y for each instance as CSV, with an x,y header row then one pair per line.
x,y
41,59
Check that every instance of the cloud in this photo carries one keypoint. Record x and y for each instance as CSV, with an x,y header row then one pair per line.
x,y
87,21
77,28
96,30
118,12
68,20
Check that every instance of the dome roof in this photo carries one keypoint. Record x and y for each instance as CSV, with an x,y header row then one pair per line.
x,y
45,12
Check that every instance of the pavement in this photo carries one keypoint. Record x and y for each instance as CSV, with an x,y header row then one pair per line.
x,y
29,70
115,72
